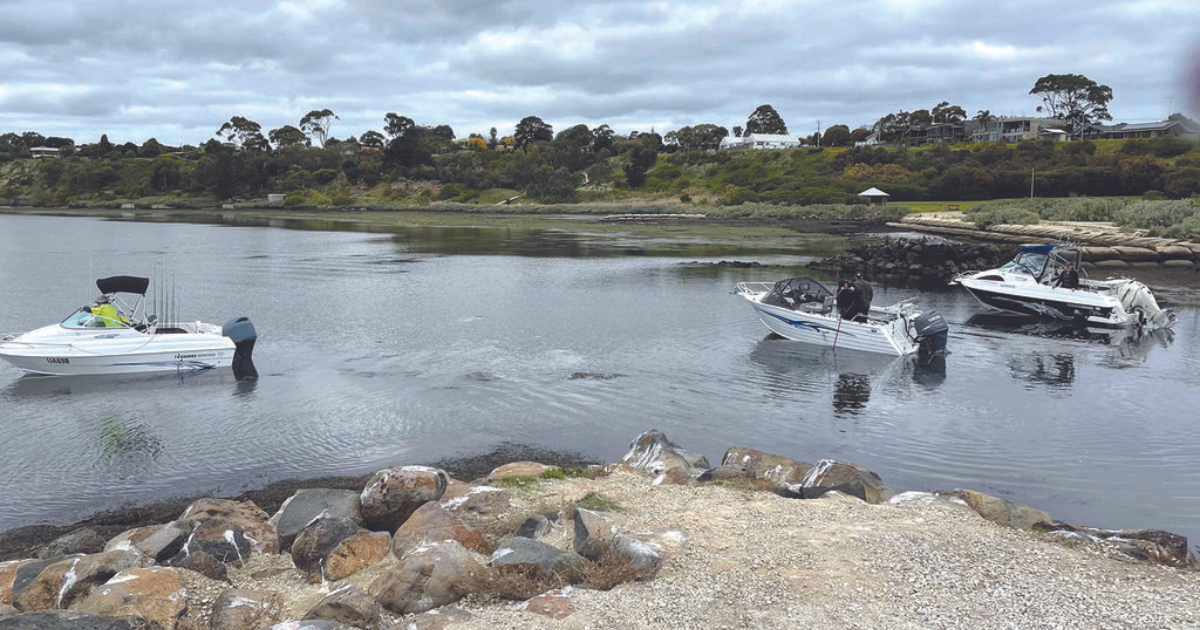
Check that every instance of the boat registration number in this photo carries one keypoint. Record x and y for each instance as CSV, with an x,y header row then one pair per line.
x,y
57,360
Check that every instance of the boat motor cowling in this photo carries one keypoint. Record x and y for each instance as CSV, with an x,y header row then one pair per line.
x,y
241,332
931,333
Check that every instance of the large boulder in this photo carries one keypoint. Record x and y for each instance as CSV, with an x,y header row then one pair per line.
x,y
26,572
8,575
361,550
392,495
653,453
830,475
485,508
1155,545
221,538
537,525
309,504
519,469
346,604
594,534
64,583
245,514
84,540
158,542
70,620
432,523
775,470
434,575
525,553
203,563
313,544
1003,511
154,593
245,609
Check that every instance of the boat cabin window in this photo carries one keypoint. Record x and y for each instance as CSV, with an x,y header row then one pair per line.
x,y
88,317
1029,263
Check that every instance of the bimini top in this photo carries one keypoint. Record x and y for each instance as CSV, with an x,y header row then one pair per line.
x,y
1037,249
123,284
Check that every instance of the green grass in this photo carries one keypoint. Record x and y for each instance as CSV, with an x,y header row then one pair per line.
x,y
598,503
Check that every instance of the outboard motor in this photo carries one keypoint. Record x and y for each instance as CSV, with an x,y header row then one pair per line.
x,y
242,333
931,334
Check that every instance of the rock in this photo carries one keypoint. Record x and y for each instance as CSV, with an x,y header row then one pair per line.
x,y
555,604
430,576
727,473
8,574
537,525
245,514
643,557
488,509
84,540
830,475
432,523
1145,544
313,545
361,550
311,624
26,572
519,469
652,452
6,610
69,620
346,604
155,594
157,542
392,495
1004,512
222,539
203,563
242,609
439,619
528,553
778,471
594,534
309,504
64,583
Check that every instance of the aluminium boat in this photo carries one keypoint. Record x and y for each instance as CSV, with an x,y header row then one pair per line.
x,y
803,310
1030,285
114,335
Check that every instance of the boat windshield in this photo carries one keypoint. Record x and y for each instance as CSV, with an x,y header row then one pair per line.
x,y
86,318
1028,263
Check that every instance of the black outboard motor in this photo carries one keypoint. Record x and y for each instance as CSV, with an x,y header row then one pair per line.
x,y
242,333
931,333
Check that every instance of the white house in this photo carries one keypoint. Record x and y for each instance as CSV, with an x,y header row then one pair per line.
x,y
44,152
760,141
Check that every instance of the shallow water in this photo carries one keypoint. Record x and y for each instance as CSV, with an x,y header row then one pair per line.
x,y
380,349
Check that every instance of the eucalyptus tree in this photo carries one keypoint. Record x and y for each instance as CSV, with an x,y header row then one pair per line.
x,y
765,120
316,124
287,136
1074,98
242,132
532,130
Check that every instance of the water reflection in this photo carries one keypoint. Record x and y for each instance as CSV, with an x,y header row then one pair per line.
x,y
1053,370
1130,346
126,444
34,386
851,393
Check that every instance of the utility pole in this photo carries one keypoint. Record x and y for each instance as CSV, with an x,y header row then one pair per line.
x,y
818,133
1032,175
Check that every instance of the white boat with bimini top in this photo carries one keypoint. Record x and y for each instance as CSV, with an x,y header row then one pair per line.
x,y
1043,281
803,310
114,335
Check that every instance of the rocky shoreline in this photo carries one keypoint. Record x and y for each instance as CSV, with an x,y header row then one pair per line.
x,y
659,539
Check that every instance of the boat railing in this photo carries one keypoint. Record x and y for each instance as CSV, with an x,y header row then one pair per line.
x,y
754,287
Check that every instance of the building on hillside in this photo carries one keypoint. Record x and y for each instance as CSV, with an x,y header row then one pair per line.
x,y
944,132
1056,135
1012,129
1124,131
760,141
44,152
875,196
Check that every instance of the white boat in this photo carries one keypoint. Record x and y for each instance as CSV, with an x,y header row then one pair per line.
x,y
1028,285
802,309
114,335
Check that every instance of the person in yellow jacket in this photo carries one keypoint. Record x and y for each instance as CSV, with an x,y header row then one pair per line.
x,y
107,315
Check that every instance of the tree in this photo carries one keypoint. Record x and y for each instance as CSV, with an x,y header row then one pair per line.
x,y
242,132
476,143
836,136
641,159
396,125
287,136
603,138
445,132
1074,98
316,124
531,130
702,137
372,138
944,112
765,120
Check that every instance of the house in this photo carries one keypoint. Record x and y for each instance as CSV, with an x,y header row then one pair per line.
x,y
1125,131
1012,129
44,152
760,141
875,196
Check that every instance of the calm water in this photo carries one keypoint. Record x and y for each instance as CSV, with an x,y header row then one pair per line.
x,y
385,349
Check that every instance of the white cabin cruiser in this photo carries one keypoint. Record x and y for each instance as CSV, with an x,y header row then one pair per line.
x,y
802,309
114,335
1030,285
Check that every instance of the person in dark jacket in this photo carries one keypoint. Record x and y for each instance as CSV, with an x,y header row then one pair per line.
x,y
1069,278
866,293
847,300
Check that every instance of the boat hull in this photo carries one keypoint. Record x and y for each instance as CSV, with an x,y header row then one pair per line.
x,y
820,330
1040,301
56,351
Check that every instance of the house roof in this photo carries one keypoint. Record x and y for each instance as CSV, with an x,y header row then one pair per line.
x,y
873,192
772,137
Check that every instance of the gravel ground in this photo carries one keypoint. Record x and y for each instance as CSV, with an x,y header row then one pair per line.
x,y
756,560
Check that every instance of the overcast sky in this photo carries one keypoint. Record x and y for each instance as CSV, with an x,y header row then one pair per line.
x,y
176,71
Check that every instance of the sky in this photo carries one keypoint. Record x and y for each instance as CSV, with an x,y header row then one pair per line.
x,y
176,71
